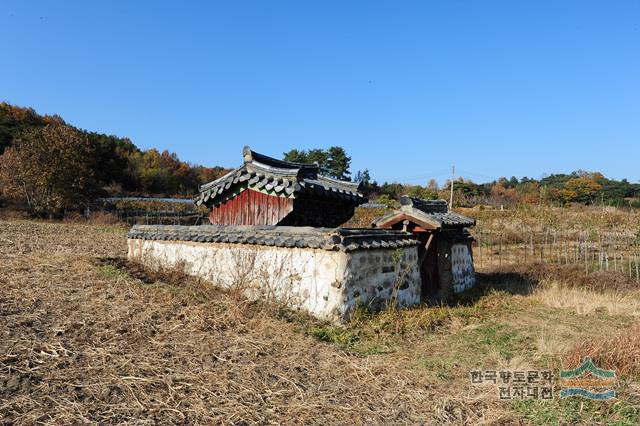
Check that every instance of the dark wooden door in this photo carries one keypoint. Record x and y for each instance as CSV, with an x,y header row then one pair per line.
x,y
429,267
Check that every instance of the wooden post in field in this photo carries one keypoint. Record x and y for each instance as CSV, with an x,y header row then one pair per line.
x,y
637,270
586,256
600,260
482,254
506,252
480,247
533,252
489,246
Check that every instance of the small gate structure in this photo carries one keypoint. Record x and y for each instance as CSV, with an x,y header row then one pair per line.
x,y
445,253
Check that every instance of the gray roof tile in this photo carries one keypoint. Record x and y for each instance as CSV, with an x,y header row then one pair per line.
x,y
279,177
344,239
434,212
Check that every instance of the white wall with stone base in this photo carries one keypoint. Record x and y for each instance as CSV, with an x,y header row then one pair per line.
x,y
464,276
329,284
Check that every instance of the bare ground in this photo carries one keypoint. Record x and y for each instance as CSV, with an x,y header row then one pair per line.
x,y
87,337
85,342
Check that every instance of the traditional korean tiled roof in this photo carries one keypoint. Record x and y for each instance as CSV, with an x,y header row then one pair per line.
x,y
277,177
344,239
426,206
432,212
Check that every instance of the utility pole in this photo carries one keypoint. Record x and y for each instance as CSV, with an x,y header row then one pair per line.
x,y
453,176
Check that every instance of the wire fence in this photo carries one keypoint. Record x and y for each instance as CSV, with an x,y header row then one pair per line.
x,y
595,250
150,211
158,217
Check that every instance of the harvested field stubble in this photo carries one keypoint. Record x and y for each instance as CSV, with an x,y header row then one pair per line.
x,y
86,337
82,340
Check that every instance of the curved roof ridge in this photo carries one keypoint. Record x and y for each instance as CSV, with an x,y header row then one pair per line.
x,y
347,183
251,156
283,177
220,179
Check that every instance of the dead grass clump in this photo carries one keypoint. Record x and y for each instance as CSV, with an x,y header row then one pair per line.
x,y
174,276
367,326
13,214
585,301
620,353
73,217
95,218
104,218
401,321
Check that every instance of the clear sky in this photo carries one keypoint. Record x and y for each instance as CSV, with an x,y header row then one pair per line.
x,y
498,88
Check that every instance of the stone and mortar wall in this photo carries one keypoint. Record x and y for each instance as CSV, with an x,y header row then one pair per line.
x,y
462,270
455,265
329,284
374,278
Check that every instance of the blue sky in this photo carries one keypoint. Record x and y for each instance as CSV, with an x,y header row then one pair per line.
x,y
498,88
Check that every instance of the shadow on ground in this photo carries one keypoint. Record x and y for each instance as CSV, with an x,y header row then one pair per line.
x,y
509,282
525,278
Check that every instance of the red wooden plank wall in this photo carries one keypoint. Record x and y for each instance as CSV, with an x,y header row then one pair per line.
x,y
251,208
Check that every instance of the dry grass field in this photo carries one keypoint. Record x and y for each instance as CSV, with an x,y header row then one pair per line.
x,y
86,337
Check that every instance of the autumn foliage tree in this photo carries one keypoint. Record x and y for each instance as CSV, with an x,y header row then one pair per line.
x,y
50,169
584,188
119,166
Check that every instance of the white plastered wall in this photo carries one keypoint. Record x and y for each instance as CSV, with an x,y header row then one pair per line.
x,y
327,284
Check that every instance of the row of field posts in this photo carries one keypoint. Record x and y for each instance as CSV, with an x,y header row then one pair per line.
x,y
496,243
150,211
595,250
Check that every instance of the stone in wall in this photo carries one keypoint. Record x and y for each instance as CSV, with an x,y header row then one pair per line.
x,y
378,278
463,273
455,264
329,284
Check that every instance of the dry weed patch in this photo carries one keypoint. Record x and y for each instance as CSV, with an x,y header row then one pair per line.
x,y
586,302
91,340
88,337
620,352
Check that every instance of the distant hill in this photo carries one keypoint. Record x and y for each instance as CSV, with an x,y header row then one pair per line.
x,y
579,187
119,165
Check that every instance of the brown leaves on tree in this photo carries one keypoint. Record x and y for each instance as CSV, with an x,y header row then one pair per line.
x,y
50,169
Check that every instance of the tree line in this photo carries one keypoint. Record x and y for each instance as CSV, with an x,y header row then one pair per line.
x,y
51,166
578,187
